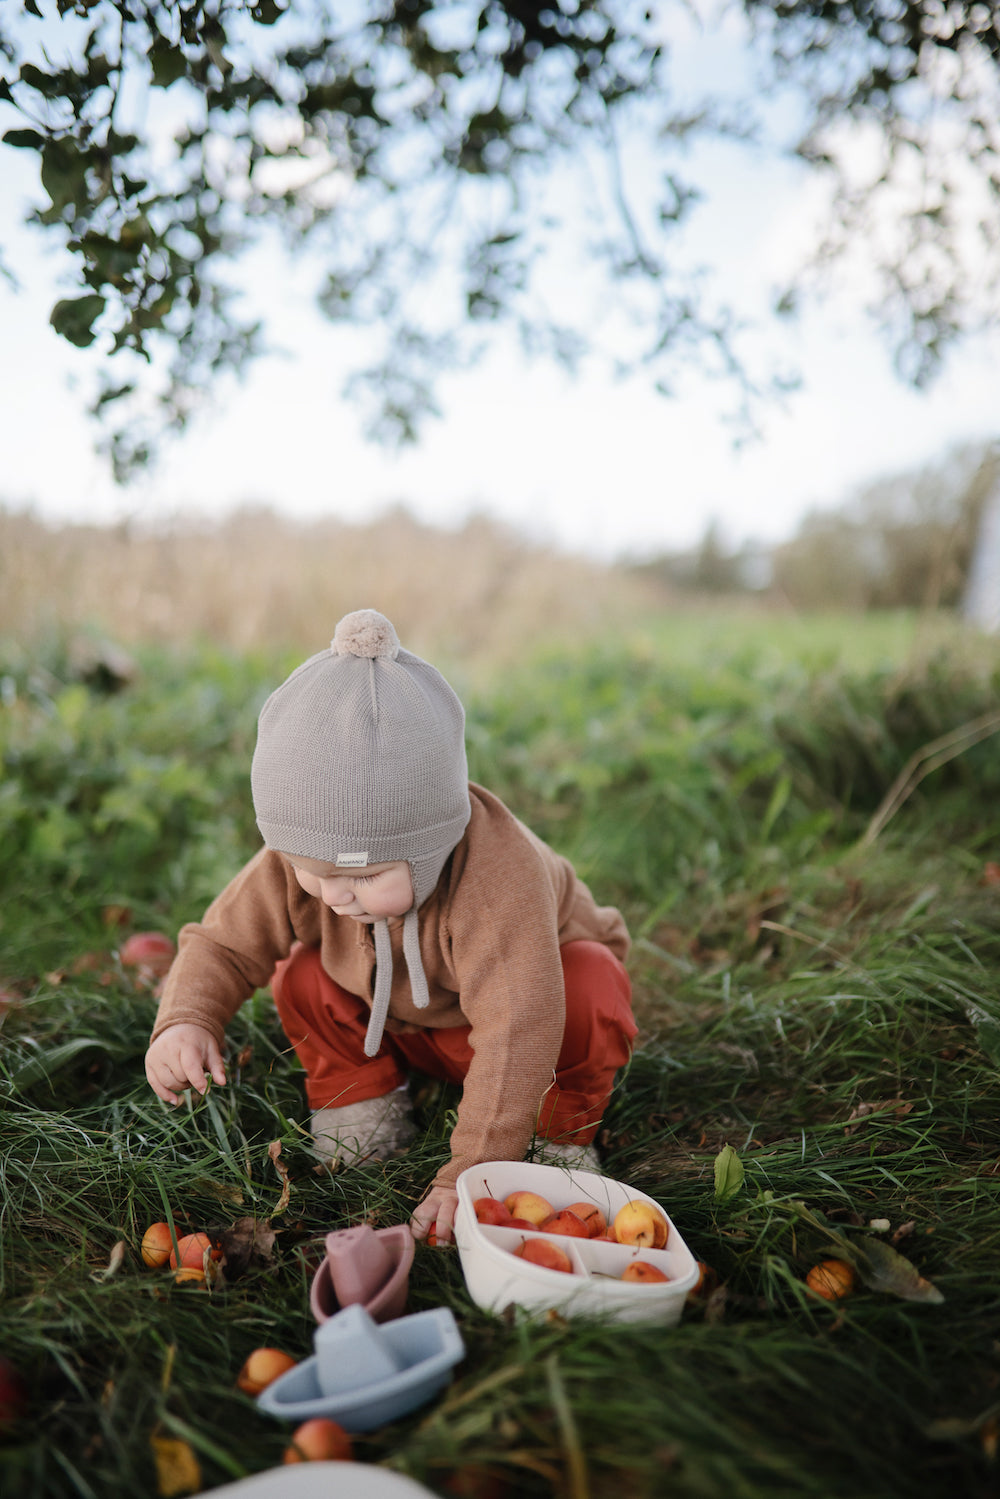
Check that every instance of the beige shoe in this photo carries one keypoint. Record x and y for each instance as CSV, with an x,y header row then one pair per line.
x,y
565,1153
371,1130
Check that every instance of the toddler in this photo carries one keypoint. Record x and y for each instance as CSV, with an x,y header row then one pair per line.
x,y
404,919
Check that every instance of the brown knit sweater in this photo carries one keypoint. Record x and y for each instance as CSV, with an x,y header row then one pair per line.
x,y
489,938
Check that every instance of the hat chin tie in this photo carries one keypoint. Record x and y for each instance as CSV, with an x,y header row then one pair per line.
x,y
383,975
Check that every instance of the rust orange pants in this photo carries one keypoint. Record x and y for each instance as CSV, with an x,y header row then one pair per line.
x,y
326,1026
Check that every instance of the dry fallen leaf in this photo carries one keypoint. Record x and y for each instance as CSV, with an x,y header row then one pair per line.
x,y
274,1151
882,1269
221,1191
115,1262
246,1242
897,1106
879,1267
985,1427
177,1469
715,1305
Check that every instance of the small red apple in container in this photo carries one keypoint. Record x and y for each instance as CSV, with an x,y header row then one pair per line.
x,y
542,1237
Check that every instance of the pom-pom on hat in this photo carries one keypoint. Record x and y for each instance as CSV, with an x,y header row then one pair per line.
x,y
360,759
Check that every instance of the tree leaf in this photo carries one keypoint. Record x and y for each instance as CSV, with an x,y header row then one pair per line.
x,y
168,63
266,12
64,174
26,139
45,83
728,1173
74,317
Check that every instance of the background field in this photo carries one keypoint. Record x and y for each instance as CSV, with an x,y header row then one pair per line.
x,y
825,1003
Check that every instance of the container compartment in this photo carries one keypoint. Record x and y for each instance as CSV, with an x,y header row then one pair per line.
x,y
496,1278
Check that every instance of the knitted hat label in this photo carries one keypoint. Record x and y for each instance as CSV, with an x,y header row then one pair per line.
x,y
352,861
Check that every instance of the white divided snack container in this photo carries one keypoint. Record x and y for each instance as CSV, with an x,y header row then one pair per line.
x,y
496,1277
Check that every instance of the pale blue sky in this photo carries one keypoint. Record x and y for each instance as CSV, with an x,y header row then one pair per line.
x,y
587,464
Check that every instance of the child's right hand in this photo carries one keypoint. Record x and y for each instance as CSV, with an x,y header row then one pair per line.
x,y
179,1058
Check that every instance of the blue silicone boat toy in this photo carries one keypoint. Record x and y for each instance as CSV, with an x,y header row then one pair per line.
x,y
364,1374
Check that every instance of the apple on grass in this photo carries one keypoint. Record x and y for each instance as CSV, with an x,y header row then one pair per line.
x,y
262,1368
151,951
157,1245
318,1441
190,1252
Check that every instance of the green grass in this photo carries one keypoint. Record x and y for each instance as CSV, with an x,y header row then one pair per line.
x,y
830,1011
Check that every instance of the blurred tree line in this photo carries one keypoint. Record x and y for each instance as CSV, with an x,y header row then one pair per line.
x,y
905,541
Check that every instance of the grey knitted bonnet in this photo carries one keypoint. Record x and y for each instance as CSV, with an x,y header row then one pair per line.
x,y
360,759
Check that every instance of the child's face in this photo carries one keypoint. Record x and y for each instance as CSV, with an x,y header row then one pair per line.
x,y
363,894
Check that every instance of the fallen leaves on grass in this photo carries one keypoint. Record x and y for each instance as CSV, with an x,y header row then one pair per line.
x,y
728,1173
274,1152
248,1243
115,1262
177,1469
882,1268
897,1106
10,999
985,1427
878,1265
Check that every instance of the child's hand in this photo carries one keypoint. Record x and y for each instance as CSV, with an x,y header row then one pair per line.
x,y
179,1059
437,1211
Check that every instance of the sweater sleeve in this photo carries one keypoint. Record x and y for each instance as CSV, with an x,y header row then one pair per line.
x,y
505,949
232,951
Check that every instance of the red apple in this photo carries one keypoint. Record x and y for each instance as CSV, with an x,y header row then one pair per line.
x,y
641,1224
541,1252
706,1283
528,1205
318,1441
190,1252
565,1222
157,1245
643,1272
151,951
591,1215
491,1210
262,1368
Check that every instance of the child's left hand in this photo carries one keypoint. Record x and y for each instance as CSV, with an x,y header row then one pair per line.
x,y
437,1211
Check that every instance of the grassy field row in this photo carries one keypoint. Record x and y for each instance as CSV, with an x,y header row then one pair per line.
x,y
827,1006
